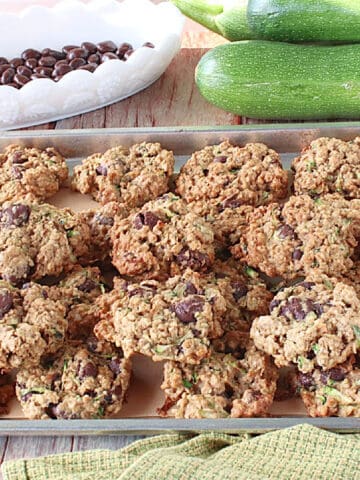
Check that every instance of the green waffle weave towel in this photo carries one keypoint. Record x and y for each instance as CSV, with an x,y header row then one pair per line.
x,y
301,452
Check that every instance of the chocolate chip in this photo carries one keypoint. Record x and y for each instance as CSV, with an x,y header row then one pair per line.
x,y
306,380
77,53
16,62
193,259
186,309
336,374
87,285
7,76
89,47
231,202
17,157
293,309
306,285
48,52
16,172
3,61
68,48
102,170
117,391
239,290
297,254
123,48
109,56
220,159
311,355
94,58
15,215
3,68
286,232
128,54
148,45
148,219
21,80
115,366
48,61
61,70
76,63
31,63
229,391
43,71
88,370
51,410
22,70
107,46
30,53
190,289
6,302
91,67
14,85
273,304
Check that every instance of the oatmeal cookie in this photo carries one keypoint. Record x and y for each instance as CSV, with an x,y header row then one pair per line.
x,y
162,238
31,325
223,385
131,176
232,176
173,320
334,392
100,222
292,239
38,240
30,173
315,323
245,293
328,165
78,292
85,380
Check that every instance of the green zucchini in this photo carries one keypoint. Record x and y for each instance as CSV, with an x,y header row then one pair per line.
x,y
227,18
273,80
335,21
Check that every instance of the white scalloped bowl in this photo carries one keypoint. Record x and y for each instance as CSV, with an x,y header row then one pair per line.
x,y
73,22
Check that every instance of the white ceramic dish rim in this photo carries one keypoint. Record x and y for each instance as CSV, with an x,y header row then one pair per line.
x,y
135,21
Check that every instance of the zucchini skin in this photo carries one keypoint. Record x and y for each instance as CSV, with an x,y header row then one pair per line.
x,y
229,21
330,21
273,80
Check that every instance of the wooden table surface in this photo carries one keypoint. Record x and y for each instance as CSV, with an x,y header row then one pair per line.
x,y
172,100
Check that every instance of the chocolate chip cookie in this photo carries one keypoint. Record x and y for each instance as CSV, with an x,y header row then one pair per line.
x,y
30,173
303,234
38,240
131,176
31,325
334,392
173,320
160,239
230,176
328,165
223,385
315,323
78,291
85,380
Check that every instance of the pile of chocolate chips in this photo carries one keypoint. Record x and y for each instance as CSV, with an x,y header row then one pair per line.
x,y
55,64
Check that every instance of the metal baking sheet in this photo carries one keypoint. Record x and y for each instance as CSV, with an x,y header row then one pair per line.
x,y
288,140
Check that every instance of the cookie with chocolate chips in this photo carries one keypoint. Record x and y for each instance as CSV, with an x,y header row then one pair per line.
x,y
313,324
328,165
31,325
30,173
331,393
302,235
84,380
173,320
130,176
229,176
240,384
39,240
162,238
